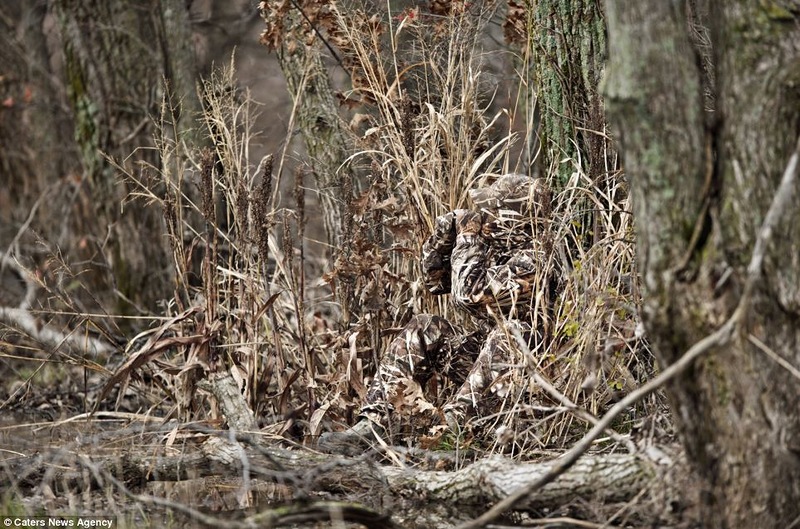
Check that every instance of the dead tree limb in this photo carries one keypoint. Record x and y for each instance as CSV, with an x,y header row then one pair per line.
x,y
601,478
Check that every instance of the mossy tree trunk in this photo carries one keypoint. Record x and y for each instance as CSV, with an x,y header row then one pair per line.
x,y
703,181
568,52
117,54
567,49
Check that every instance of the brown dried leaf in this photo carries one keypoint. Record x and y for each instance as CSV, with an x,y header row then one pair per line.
x,y
316,417
359,204
402,229
152,347
390,205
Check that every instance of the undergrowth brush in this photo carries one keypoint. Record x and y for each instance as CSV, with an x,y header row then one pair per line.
x,y
430,124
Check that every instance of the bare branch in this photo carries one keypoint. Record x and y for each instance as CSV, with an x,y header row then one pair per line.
x,y
716,339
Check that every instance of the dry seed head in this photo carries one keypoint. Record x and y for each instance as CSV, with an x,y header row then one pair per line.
x,y
261,209
170,220
207,185
347,195
300,200
242,202
288,250
407,123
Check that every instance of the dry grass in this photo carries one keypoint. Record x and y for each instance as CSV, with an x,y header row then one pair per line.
x,y
429,127
239,302
432,133
432,116
427,135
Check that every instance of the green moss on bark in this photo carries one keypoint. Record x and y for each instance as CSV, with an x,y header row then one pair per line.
x,y
569,49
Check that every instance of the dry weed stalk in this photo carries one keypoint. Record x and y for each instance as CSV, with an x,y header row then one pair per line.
x,y
427,136
425,128
238,304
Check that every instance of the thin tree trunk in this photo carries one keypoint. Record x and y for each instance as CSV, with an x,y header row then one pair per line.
x,y
117,55
318,121
325,139
569,47
568,50
702,183
34,123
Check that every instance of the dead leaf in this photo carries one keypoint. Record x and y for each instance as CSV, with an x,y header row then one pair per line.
x,y
354,375
152,347
357,120
360,204
410,400
390,204
316,417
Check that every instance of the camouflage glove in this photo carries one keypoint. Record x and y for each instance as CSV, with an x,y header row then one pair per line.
x,y
456,240
436,254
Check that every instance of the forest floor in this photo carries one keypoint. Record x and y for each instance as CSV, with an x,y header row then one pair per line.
x,y
70,458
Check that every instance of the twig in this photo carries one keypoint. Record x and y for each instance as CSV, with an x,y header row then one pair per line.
x,y
719,337
561,521
297,512
783,197
775,356
102,476
25,225
321,37
48,335
21,317
25,275
562,399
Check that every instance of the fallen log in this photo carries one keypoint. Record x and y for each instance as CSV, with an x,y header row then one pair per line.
x,y
413,496
412,492
602,477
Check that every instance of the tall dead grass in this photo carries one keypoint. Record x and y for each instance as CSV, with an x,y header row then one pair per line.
x,y
429,128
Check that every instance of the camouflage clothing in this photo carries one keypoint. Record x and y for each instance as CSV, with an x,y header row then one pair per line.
x,y
487,261
429,345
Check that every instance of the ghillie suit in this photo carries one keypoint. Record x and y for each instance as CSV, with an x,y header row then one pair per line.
x,y
491,262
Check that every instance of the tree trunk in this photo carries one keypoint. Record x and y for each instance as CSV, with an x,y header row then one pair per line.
x,y
316,117
569,47
318,121
116,55
568,50
324,138
702,182
33,123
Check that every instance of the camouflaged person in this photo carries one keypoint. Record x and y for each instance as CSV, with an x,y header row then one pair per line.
x,y
491,261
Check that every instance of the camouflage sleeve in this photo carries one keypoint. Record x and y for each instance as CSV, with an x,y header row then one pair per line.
x,y
512,284
436,254
478,269
468,262
486,275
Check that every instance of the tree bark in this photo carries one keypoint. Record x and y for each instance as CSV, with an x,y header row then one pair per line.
x,y
318,121
316,117
603,478
33,121
569,48
702,182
